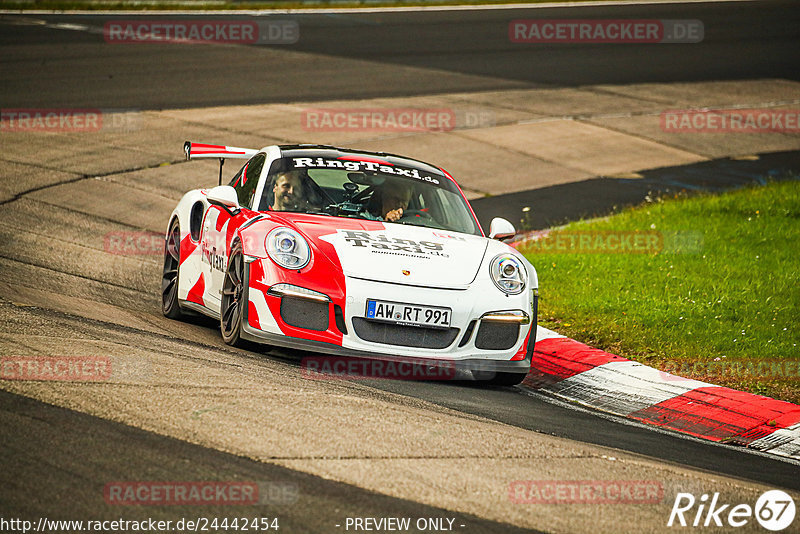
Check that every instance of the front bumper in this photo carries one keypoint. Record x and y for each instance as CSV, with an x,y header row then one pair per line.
x,y
340,339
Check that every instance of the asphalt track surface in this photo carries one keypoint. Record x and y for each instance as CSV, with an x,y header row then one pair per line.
x,y
58,452
604,195
50,452
364,55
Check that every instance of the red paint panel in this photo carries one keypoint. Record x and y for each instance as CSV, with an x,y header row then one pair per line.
x,y
196,293
187,247
252,315
242,217
201,148
520,355
718,413
555,359
320,276
256,277
222,217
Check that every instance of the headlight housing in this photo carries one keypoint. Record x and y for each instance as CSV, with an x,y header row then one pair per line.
x,y
288,248
508,274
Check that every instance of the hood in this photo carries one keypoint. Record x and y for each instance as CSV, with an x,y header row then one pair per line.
x,y
398,253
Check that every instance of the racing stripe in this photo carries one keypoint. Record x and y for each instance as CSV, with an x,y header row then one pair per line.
x,y
187,247
196,293
252,315
200,148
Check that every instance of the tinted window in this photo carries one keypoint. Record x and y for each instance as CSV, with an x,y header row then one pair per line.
x,y
367,190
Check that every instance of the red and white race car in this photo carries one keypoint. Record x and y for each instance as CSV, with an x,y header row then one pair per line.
x,y
351,253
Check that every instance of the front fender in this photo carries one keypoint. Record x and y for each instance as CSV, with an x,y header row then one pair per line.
x,y
323,272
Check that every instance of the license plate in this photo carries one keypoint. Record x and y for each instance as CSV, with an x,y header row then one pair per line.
x,y
409,314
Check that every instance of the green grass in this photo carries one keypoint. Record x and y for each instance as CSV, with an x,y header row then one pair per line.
x,y
725,288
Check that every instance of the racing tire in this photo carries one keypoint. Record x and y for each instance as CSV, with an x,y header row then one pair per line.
x,y
232,302
169,276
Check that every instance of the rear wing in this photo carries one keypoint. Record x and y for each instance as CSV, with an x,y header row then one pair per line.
x,y
200,150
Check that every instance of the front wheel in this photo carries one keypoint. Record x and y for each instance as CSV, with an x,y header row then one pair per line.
x,y
232,304
169,276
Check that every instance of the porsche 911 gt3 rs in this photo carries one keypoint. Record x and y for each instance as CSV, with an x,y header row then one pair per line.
x,y
350,253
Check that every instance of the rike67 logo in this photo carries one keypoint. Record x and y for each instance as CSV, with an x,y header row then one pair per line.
x,y
774,510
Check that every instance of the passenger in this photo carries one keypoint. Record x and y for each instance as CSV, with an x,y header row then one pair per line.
x,y
395,197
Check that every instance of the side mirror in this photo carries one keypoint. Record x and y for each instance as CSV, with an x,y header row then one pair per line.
x,y
225,197
501,229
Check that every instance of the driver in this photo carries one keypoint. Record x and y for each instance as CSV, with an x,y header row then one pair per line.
x,y
289,192
395,197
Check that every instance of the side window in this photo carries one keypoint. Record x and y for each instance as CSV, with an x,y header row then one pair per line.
x,y
246,180
235,180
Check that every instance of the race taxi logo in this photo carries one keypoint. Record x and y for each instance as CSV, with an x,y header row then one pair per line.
x,y
361,165
211,257
381,243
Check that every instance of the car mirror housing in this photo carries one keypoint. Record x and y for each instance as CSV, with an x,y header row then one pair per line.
x,y
501,229
225,197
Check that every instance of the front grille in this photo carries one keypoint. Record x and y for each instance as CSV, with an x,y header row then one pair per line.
x,y
496,335
305,313
404,336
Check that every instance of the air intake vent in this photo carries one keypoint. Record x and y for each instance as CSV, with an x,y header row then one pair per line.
x,y
404,336
305,313
496,335
468,333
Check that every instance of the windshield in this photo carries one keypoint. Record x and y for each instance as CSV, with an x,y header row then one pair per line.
x,y
367,188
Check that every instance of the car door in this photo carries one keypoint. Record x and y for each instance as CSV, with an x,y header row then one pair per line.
x,y
219,228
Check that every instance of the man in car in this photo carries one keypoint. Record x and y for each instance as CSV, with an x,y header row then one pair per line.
x,y
395,197
289,192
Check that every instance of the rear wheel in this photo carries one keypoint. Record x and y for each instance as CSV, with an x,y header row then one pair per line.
x,y
232,304
169,277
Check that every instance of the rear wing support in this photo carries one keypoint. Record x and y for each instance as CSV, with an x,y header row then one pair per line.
x,y
200,150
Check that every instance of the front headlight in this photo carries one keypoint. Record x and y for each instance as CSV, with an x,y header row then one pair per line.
x,y
287,248
508,274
